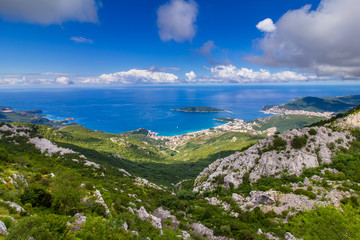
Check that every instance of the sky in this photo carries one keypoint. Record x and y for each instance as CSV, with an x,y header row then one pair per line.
x,y
117,42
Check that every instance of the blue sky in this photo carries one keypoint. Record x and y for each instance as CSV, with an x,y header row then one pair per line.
x,y
115,42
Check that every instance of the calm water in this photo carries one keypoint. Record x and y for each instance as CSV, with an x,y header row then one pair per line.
x,y
118,110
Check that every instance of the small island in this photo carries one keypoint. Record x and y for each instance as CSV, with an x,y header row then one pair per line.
x,y
198,109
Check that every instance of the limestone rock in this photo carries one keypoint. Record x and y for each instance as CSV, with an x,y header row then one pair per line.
x,y
3,229
144,215
47,147
257,161
184,235
206,232
289,236
353,119
13,205
20,179
80,220
143,182
100,200
91,164
125,226
237,198
165,214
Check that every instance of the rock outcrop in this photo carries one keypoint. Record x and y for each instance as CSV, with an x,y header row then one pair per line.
x,y
78,223
47,147
353,119
99,199
266,159
13,205
144,215
207,233
3,229
164,215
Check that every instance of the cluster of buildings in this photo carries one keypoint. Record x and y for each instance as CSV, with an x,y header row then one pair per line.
x,y
277,110
236,125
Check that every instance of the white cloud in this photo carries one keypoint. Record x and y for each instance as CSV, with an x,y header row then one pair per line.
x,y
176,20
266,25
191,76
81,40
163,69
213,54
207,48
324,41
232,74
36,79
217,74
134,76
63,80
48,12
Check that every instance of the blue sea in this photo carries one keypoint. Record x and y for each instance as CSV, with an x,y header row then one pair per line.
x,y
122,109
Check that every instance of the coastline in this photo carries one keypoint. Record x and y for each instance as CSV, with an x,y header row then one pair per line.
x,y
228,124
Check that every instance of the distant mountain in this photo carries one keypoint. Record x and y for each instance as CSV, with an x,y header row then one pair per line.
x,y
316,104
7,114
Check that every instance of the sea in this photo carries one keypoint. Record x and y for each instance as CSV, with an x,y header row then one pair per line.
x,y
121,109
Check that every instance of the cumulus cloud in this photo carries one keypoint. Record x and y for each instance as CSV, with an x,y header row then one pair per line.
x,y
266,25
81,40
63,80
324,41
232,74
36,79
163,69
48,12
134,76
213,54
176,20
207,48
191,76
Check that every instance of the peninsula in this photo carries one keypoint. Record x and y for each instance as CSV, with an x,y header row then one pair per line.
x,y
198,109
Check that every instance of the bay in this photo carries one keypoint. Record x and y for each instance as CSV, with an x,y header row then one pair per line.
x,y
121,109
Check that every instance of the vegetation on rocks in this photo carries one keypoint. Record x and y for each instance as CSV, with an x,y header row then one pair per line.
x,y
70,184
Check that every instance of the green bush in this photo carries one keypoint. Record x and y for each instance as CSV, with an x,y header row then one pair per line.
x,y
312,132
279,143
36,196
4,155
42,227
94,207
327,223
299,142
309,194
185,195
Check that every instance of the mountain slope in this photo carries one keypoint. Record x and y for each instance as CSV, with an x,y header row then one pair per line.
x,y
317,104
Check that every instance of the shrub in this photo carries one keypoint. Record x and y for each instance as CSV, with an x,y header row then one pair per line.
x,y
309,194
327,223
36,196
279,143
185,195
95,207
312,132
4,155
299,142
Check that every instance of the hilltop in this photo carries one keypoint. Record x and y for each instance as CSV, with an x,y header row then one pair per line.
x,y
317,104
7,114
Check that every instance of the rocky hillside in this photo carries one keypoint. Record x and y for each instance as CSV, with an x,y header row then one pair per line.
x,y
295,185
48,191
291,174
289,152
